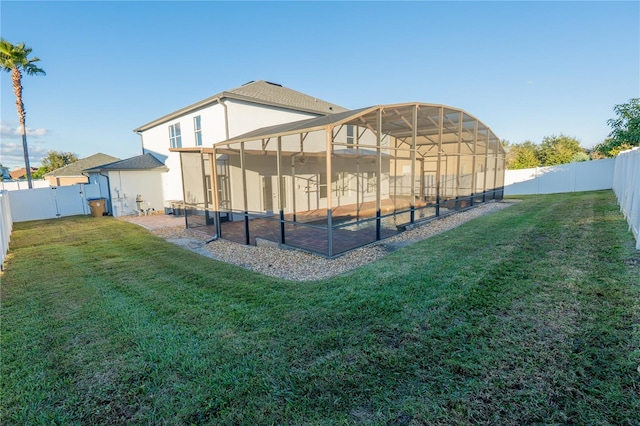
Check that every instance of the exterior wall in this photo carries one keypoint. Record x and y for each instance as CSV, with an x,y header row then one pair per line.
x,y
242,117
156,141
127,185
66,180
246,116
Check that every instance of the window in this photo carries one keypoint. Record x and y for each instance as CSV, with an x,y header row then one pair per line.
x,y
197,128
175,140
372,181
340,183
322,178
350,137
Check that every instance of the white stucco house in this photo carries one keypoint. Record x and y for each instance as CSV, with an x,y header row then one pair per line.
x,y
220,117
132,185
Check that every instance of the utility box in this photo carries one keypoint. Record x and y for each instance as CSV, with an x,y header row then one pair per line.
x,y
97,206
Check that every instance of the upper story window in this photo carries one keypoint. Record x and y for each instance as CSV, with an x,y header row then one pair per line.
x,y
350,135
197,128
175,139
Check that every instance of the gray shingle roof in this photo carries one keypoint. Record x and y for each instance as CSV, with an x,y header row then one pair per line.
x,y
261,92
276,94
76,169
140,162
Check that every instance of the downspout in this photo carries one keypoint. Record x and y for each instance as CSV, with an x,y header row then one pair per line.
x,y
108,191
141,140
226,118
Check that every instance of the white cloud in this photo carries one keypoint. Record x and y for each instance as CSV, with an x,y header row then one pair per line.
x,y
12,131
12,156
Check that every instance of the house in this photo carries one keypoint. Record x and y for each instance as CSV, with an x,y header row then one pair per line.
x,y
222,116
4,173
19,174
131,185
73,173
332,183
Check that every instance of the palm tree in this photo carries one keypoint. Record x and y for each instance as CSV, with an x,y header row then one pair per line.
x,y
15,59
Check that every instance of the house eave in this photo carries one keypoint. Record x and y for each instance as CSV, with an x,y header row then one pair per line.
x,y
216,99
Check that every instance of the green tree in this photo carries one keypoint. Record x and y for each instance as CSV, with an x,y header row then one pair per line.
x,y
556,150
56,159
625,129
522,156
15,60
39,174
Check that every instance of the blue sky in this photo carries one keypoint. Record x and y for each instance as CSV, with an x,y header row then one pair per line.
x,y
526,69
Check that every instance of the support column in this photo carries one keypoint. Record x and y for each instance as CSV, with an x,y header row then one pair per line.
x,y
215,201
413,162
245,209
329,141
379,175
473,164
280,187
438,170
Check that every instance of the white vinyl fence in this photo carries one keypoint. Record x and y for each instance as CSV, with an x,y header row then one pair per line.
x,y
626,185
17,185
53,202
572,177
6,225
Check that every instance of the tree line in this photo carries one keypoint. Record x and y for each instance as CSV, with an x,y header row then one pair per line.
x,y
562,149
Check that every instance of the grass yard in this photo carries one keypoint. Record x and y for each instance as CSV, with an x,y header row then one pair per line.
x,y
528,316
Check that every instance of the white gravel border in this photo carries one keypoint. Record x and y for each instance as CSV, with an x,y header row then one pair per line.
x,y
302,266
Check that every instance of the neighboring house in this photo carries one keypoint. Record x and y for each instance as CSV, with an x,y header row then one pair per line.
x,y
4,173
72,174
220,117
19,174
132,185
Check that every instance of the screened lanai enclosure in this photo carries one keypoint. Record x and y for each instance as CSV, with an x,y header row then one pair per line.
x,y
334,183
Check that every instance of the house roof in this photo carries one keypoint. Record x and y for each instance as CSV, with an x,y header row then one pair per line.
x,y
20,173
140,162
76,168
260,92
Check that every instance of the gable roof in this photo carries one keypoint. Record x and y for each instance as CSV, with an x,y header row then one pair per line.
x,y
140,162
76,168
260,92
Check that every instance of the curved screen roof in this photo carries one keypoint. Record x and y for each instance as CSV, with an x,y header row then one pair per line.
x,y
396,120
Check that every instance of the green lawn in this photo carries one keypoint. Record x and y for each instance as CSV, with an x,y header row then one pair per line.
x,y
527,316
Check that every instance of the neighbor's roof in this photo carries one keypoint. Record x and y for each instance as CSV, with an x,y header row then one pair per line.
x,y
261,92
140,162
20,173
76,169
